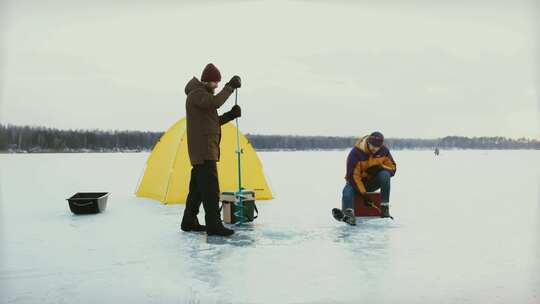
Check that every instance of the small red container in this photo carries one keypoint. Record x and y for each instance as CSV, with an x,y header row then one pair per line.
x,y
361,209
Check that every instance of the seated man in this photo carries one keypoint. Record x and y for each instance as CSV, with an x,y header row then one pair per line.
x,y
369,167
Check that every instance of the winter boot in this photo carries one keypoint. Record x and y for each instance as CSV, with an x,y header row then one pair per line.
x,y
385,210
220,230
192,225
349,217
338,214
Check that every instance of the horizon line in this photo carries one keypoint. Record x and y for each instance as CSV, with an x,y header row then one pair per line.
x,y
258,134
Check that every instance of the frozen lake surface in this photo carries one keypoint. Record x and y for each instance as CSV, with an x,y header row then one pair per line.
x,y
466,231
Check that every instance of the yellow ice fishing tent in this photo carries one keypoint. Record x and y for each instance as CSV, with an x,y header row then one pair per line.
x,y
168,170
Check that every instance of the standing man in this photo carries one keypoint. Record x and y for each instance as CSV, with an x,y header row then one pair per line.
x,y
369,167
204,135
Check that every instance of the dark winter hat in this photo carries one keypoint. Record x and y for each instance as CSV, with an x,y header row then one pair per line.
x,y
376,139
210,73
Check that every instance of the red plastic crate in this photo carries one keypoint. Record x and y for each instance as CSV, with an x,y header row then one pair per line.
x,y
361,209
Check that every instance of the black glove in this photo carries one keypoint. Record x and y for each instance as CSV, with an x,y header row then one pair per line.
x,y
366,199
235,82
374,170
235,112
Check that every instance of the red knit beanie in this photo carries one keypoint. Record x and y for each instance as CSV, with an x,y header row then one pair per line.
x,y
210,73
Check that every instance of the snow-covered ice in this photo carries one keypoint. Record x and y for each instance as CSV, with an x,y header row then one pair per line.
x,y
466,231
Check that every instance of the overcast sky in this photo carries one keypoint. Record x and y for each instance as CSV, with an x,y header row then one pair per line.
x,y
309,67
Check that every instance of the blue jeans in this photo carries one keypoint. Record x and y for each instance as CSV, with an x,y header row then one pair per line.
x,y
382,181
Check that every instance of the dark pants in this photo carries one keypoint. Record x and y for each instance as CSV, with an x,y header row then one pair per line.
x,y
382,181
203,187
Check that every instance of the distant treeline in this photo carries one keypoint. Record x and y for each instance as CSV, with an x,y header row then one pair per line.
x,y
273,142
39,139
287,142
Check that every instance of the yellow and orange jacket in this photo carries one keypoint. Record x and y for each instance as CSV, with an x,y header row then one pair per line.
x,y
360,158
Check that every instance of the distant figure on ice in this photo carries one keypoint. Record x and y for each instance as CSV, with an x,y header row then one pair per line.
x,y
437,152
203,137
369,167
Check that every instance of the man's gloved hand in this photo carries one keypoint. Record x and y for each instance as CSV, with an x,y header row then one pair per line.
x,y
366,199
235,112
235,82
374,170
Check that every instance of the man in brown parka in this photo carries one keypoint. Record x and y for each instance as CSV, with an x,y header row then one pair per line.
x,y
204,135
